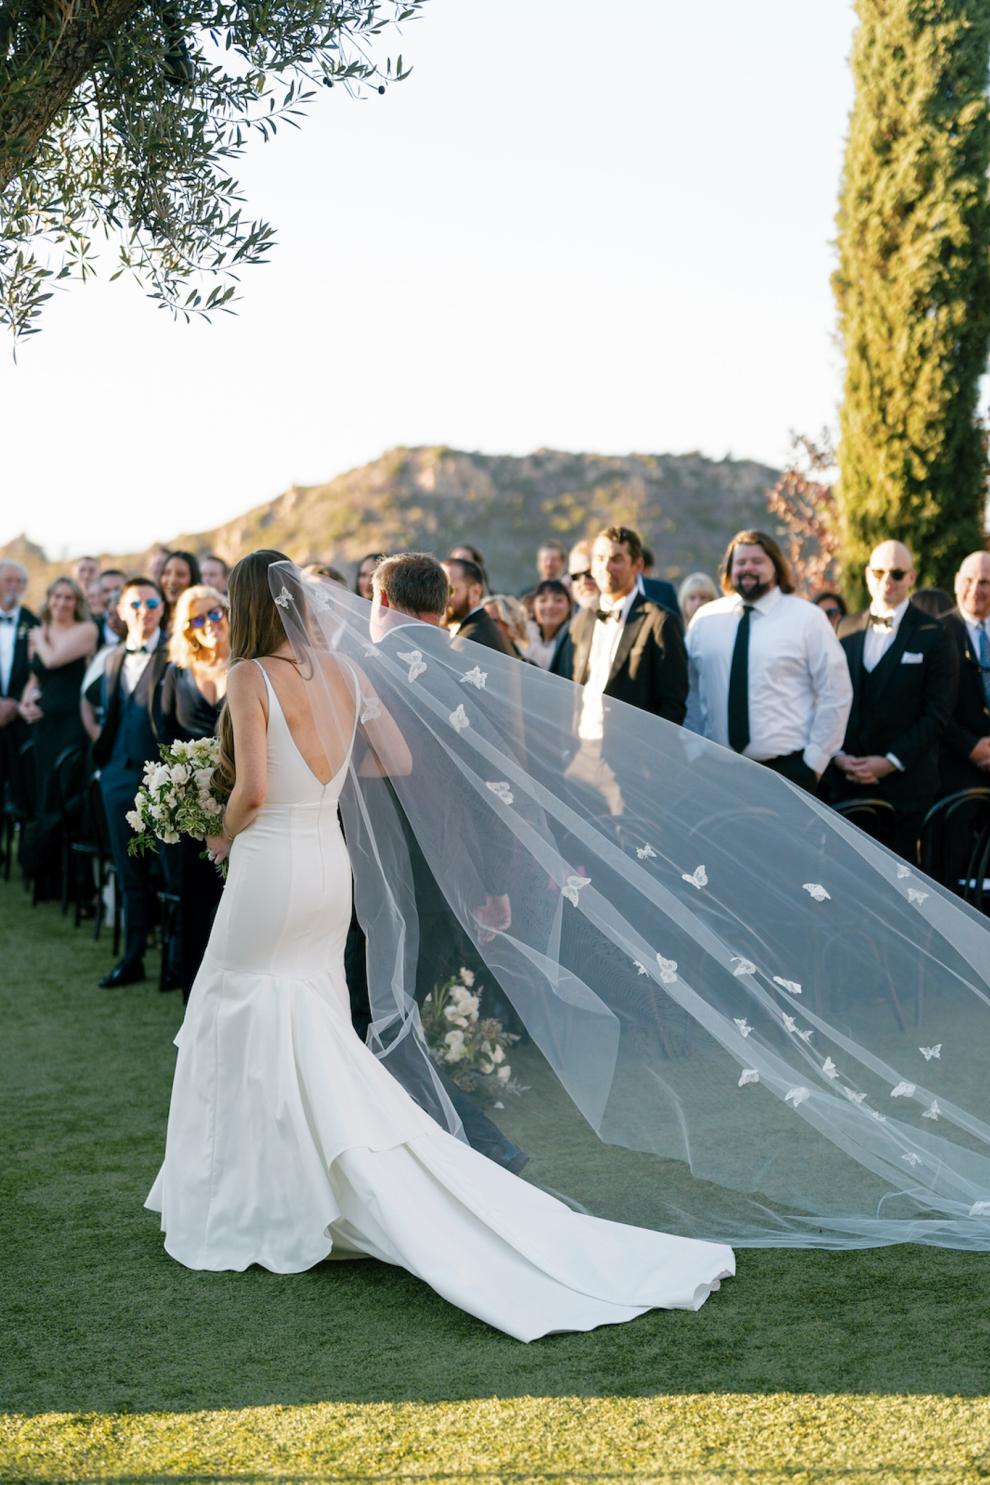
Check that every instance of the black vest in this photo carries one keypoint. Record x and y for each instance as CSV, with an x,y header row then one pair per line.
x,y
135,742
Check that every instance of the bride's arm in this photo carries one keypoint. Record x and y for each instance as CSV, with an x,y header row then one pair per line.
x,y
246,703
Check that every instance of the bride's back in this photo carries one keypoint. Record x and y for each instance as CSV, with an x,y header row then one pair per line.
x,y
317,712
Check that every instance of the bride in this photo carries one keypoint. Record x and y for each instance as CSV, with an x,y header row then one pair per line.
x,y
289,1139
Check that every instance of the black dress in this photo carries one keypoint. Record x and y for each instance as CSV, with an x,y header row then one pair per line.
x,y
187,716
58,791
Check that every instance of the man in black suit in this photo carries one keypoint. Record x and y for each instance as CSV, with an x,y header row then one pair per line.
x,y
131,732
16,622
628,648
658,590
904,670
964,762
465,617
411,590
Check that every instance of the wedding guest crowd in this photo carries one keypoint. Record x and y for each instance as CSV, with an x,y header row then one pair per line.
x,y
887,709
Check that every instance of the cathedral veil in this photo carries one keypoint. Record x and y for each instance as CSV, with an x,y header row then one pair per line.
x,y
742,1019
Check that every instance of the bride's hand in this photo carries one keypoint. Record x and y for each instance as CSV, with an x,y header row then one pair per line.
x,y
218,848
494,916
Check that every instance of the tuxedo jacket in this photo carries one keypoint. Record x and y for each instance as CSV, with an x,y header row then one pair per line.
x,y
903,706
650,668
970,718
482,629
21,666
157,665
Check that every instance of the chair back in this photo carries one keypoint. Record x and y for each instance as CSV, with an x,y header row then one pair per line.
x,y
954,834
874,816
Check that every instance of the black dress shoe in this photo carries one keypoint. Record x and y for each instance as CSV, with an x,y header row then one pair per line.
x,y
127,972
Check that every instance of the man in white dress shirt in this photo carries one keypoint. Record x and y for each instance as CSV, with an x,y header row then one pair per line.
x,y
768,676
904,672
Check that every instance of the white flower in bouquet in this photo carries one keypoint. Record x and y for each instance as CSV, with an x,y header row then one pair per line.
x,y
504,1073
498,1054
454,1041
467,977
178,796
486,1067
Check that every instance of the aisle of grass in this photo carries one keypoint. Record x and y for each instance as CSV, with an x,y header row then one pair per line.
x,y
117,1364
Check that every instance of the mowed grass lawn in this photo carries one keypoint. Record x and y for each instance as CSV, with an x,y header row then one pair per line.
x,y
119,1365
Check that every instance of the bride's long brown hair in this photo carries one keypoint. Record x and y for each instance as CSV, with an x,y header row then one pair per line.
x,y
256,629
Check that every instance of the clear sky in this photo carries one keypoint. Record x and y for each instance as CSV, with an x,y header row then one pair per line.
x,y
574,226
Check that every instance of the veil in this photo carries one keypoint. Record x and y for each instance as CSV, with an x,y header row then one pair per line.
x,y
738,1017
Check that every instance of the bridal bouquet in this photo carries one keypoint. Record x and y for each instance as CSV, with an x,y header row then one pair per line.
x,y
178,797
473,1047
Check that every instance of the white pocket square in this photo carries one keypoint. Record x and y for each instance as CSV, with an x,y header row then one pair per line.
x,y
910,658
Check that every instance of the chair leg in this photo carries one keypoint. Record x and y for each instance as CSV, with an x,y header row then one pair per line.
x,y
116,916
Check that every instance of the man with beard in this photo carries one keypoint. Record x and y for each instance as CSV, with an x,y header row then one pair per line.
x,y
465,617
768,676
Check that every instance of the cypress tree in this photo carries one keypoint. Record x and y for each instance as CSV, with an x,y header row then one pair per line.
x,y
913,283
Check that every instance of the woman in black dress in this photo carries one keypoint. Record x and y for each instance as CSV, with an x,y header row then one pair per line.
x,y
192,695
60,648
179,573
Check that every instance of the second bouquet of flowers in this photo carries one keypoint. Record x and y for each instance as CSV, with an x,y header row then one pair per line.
x,y
178,796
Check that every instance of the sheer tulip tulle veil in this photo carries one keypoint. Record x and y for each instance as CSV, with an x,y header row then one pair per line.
x,y
744,1020
741,1021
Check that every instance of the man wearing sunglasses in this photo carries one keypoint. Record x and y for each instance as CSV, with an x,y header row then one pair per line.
x,y
904,672
131,732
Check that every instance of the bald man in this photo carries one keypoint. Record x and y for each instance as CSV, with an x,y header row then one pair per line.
x,y
904,668
965,757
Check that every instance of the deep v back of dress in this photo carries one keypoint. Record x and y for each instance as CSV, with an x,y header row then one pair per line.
x,y
289,1141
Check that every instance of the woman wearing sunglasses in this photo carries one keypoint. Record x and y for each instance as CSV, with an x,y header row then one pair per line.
x,y
192,695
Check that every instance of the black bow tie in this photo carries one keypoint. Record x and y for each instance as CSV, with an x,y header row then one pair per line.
x,y
881,621
608,615
6,618
138,650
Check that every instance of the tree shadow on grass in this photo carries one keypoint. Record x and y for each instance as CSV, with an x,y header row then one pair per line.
x,y
907,1321
99,1319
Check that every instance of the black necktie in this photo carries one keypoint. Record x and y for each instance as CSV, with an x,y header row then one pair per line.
x,y
739,685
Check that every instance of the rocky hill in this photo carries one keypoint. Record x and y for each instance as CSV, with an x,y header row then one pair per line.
x,y
426,499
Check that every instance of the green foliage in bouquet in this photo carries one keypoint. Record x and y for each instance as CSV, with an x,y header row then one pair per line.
x,y
178,796
472,1048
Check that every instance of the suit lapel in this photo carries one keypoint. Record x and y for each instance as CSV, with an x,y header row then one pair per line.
x,y
630,629
887,666
582,628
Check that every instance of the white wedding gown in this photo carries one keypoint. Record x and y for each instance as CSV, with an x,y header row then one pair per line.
x,y
289,1141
